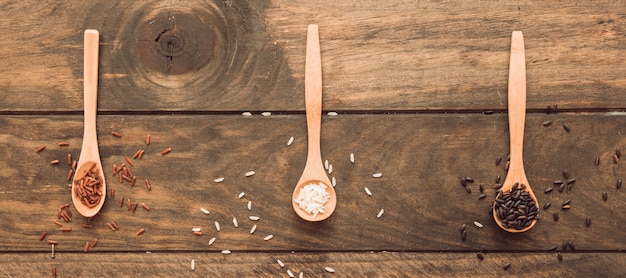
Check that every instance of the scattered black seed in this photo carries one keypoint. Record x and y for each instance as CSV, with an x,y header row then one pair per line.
x,y
482,196
552,248
588,221
569,187
463,182
618,152
488,112
557,181
481,188
463,227
597,162
572,180
565,174
566,202
515,208
615,159
506,266
619,184
559,256
506,166
564,247
548,109
547,123
498,160
546,205
468,189
571,245
480,256
555,108
548,190
561,187
605,196
555,216
566,127
468,179
498,179
497,186
463,235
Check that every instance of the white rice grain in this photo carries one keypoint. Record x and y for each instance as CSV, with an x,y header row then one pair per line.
x,y
254,218
367,190
352,157
193,264
226,252
377,175
205,211
301,274
330,169
280,263
217,226
241,195
332,113
266,114
197,229
326,164
235,222
218,180
268,237
478,224
249,205
250,173
333,181
329,269
246,114
290,141
380,213
290,274
253,229
212,240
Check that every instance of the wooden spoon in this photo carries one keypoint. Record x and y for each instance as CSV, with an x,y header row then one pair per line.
x,y
314,170
517,115
89,155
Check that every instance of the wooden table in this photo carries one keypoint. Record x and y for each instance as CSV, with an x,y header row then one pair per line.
x,y
412,83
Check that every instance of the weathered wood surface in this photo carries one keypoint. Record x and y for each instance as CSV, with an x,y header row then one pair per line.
x,y
349,264
249,55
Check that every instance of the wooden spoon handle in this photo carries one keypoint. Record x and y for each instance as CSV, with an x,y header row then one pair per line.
x,y
517,98
90,79
313,94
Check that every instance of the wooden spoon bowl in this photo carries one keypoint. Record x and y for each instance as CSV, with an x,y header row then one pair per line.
x,y
516,177
314,172
89,160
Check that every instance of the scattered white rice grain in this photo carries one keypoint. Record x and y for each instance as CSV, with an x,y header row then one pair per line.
x,y
290,274
266,114
218,180
205,211
280,263
329,269
330,169
226,252
254,218
253,229
367,190
290,141
250,173
197,229
352,157
241,195
478,224
212,240
235,222
377,175
333,181
326,164
332,113
246,114
217,226
249,205
301,274
193,264
268,237
380,213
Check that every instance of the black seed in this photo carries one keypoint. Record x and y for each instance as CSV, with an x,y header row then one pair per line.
x,y
463,227
566,202
488,112
506,266
463,235
497,178
480,256
481,188
570,181
557,181
548,190
566,127
571,245
605,196
498,160
618,152
559,256
468,179
506,166
463,182
547,123
597,162
615,159
468,189
546,205
555,216
548,109
588,221
497,186
561,187
565,174
619,184
482,196
564,247
555,108
569,187
552,248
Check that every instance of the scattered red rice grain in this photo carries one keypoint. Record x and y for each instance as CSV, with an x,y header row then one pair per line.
x,y
166,151
116,134
40,148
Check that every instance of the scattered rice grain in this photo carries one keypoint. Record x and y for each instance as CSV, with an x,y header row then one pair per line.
x,y
280,263
253,229
197,229
250,173
241,195
246,114
330,169
235,222
193,264
301,274
333,181
249,205
380,213
254,218
218,180
367,190
290,141
377,175
290,274
332,113
212,240
478,224
205,211
217,226
226,252
329,269
326,164
268,237
266,114
352,157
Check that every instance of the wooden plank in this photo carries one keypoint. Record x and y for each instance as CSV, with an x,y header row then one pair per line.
x,y
241,55
422,158
377,264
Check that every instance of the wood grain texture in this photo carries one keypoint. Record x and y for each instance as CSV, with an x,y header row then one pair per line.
x,y
348,264
422,158
398,55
